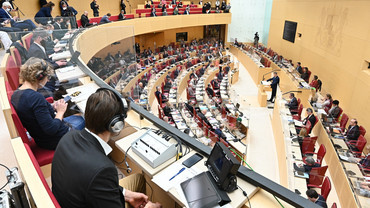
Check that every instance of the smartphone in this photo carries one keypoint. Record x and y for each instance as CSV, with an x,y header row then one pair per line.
x,y
67,98
192,160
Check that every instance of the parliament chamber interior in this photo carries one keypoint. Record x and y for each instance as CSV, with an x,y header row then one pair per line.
x,y
235,103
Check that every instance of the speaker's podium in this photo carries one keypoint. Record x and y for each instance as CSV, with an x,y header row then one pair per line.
x,y
262,95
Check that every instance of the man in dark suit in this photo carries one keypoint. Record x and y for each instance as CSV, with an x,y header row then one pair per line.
x,y
353,130
209,90
299,68
85,22
158,94
121,15
334,110
95,7
37,49
91,179
6,16
293,103
274,83
58,32
203,117
313,196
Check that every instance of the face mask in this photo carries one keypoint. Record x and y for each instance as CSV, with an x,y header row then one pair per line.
x,y
50,31
64,8
8,9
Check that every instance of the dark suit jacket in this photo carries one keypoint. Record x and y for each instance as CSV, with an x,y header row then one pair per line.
x,y
82,175
203,117
121,16
210,91
293,104
58,33
36,51
321,202
275,82
85,22
353,133
312,120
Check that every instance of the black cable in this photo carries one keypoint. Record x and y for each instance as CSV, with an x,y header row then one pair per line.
x,y
246,195
10,172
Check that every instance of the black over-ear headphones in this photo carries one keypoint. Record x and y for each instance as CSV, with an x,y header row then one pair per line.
x,y
41,74
117,122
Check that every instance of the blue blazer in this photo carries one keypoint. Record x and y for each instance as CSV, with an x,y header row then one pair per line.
x,y
4,15
44,12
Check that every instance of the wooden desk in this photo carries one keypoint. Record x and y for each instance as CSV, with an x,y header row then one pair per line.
x,y
5,106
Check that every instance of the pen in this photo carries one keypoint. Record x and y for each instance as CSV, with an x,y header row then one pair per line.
x,y
182,169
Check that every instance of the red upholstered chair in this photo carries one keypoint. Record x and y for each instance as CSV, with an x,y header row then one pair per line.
x,y
16,55
231,121
223,112
27,40
316,176
308,145
357,146
12,73
343,121
213,136
362,130
43,156
41,175
79,23
206,132
160,112
298,112
206,125
320,155
325,187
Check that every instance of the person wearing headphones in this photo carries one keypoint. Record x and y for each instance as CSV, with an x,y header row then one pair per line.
x,y
45,122
82,173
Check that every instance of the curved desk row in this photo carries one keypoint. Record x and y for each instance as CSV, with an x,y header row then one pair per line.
x,y
82,42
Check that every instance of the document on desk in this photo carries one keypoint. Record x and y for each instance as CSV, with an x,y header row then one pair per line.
x,y
298,123
162,179
321,111
265,83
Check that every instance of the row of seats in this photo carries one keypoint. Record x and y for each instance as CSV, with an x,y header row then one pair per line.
x,y
112,18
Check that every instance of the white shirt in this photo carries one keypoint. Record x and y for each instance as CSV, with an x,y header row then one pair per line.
x,y
107,149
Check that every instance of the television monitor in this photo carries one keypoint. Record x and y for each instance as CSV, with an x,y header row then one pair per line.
x,y
181,36
290,29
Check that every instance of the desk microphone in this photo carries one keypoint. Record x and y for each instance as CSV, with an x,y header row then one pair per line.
x,y
263,77
292,91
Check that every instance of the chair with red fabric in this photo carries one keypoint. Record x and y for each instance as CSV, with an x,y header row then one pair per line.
x,y
325,187
12,73
16,55
160,112
362,130
41,175
206,125
43,156
213,136
223,112
343,122
27,40
231,121
298,112
317,176
308,144
356,147
320,155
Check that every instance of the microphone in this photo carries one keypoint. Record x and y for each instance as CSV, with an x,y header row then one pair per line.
x,y
263,77
292,91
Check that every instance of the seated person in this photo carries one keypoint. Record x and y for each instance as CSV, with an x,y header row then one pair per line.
x,y
308,167
334,110
315,83
159,95
327,102
85,22
310,117
147,5
96,184
215,84
37,49
168,84
209,90
167,110
299,68
105,19
313,196
138,90
121,15
219,132
293,102
191,90
45,122
203,117
6,16
353,130
153,12
190,106
305,76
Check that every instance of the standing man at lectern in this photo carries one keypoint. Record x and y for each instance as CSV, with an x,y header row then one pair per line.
x,y
274,83
82,173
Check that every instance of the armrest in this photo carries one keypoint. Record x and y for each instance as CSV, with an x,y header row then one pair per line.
x,y
313,186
